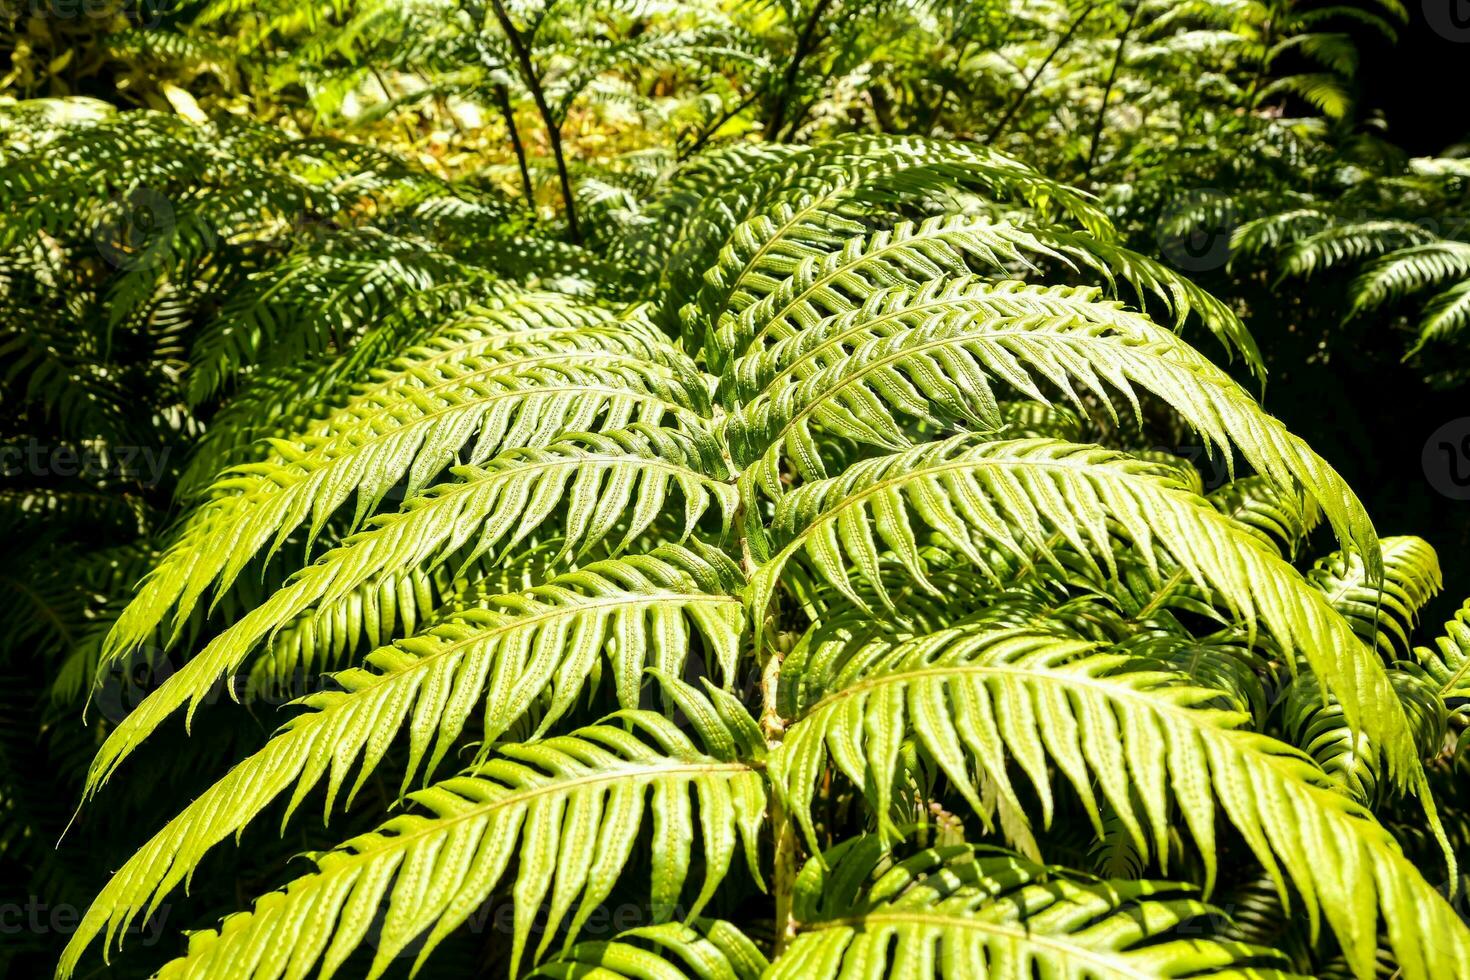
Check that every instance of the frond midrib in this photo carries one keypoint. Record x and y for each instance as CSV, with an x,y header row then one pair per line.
x,y
1114,966
632,772
1079,340
895,244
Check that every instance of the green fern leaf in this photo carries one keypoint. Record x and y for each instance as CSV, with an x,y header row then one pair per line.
x,y
981,699
1028,498
602,480
638,612
476,388
570,808
705,949
961,909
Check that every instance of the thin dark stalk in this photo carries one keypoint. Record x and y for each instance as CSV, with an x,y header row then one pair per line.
x,y
502,99
1102,110
710,131
548,119
1015,106
804,44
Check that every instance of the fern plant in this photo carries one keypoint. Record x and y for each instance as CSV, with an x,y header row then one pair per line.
x,y
1402,231
793,607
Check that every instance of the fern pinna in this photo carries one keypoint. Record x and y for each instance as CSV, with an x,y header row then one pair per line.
x,y
793,607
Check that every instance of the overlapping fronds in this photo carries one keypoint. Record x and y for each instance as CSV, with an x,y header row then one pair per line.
x,y
429,870
608,484
1029,496
510,379
1141,741
504,652
960,907
706,949
926,357
793,459
1383,613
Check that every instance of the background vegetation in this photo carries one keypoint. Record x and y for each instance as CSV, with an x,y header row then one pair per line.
x,y
451,405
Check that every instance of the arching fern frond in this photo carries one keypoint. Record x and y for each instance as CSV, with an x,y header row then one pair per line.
x,y
591,486
871,378
498,660
965,908
481,388
1279,518
705,949
1040,702
1028,497
1382,614
429,870
1410,269
796,211
1448,664
1351,242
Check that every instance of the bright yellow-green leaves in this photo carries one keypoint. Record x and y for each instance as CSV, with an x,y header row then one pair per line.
x,y
606,519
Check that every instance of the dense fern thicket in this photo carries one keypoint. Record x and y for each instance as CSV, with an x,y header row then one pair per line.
x,y
728,490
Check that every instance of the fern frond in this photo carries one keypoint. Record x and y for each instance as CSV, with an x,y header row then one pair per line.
x,y
621,481
1315,723
506,653
1324,91
864,377
1383,614
1272,231
317,299
802,214
1149,277
1446,315
1409,269
568,810
1448,661
917,255
1336,52
962,908
1038,700
481,388
1276,516
705,949
1347,243
1028,497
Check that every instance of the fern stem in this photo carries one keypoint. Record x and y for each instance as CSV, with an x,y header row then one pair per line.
x,y
783,828
804,44
1102,110
1020,100
502,100
773,728
548,119
710,131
